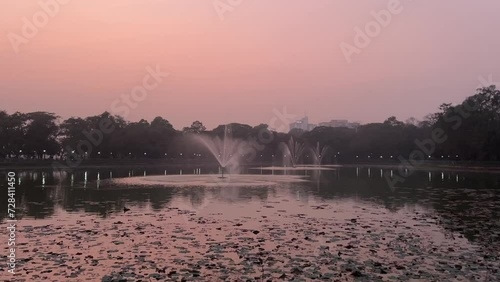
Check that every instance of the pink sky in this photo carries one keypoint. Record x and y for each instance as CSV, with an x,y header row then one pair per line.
x,y
263,55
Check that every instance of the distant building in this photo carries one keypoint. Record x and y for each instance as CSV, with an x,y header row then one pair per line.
x,y
302,123
312,126
340,123
354,125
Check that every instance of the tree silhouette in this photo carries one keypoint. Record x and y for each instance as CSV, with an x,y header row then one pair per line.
x,y
472,130
196,127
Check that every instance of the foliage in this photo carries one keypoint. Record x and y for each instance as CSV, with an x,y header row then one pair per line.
x,y
471,128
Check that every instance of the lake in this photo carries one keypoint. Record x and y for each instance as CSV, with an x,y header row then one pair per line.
x,y
337,225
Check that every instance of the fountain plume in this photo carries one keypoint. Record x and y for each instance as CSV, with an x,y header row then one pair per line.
x,y
225,150
319,153
292,151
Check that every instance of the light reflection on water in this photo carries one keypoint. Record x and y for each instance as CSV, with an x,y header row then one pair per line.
x,y
457,197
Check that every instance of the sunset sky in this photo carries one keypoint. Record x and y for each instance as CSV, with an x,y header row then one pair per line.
x,y
256,57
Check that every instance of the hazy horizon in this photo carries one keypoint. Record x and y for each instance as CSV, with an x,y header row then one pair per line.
x,y
258,57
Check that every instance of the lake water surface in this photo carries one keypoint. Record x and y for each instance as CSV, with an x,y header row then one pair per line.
x,y
339,225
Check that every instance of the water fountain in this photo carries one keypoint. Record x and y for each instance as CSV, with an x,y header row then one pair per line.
x,y
224,150
319,153
292,151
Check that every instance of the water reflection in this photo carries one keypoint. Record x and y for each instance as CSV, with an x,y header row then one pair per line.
x,y
467,203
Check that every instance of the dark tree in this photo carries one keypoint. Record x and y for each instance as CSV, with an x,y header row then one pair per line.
x,y
196,127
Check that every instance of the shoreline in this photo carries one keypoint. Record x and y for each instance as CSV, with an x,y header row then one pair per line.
x,y
435,167
492,167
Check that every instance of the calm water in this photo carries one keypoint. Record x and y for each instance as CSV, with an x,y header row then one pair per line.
x,y
462,208
46,194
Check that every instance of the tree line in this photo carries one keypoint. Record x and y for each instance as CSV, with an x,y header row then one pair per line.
x,y
467,131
